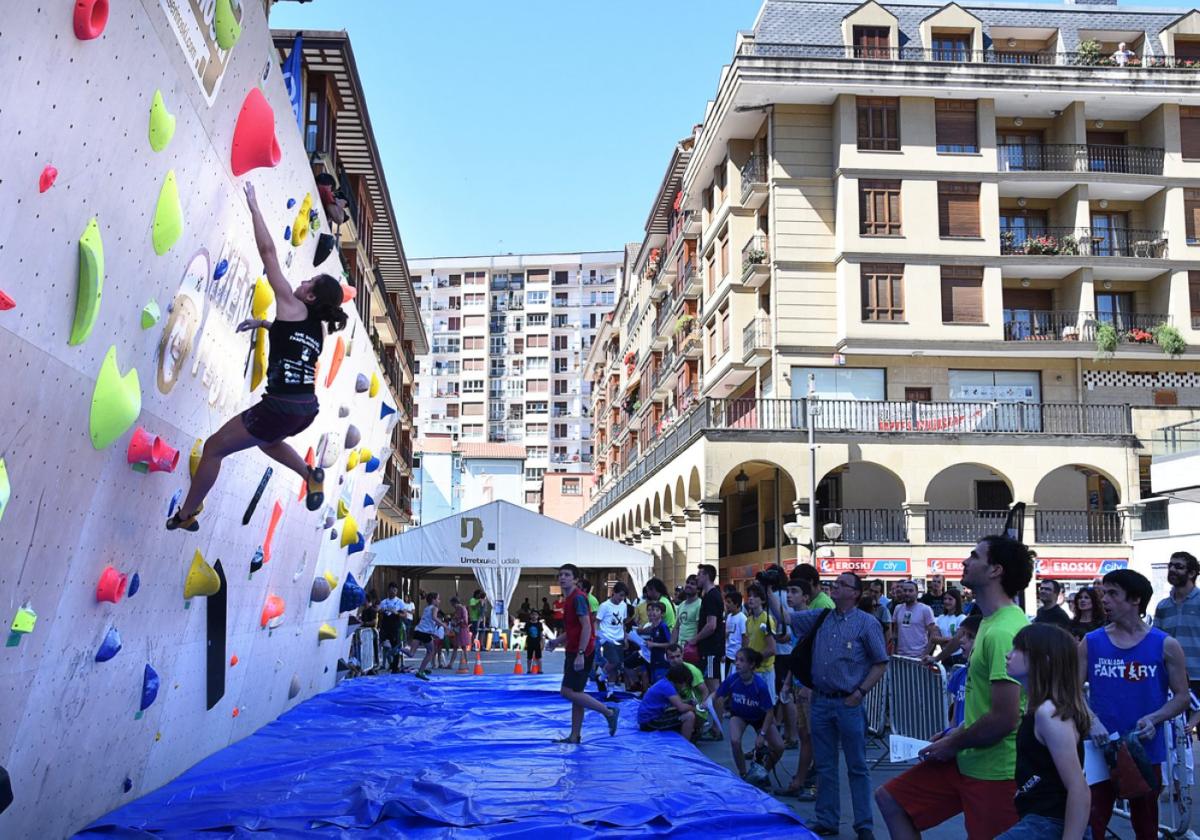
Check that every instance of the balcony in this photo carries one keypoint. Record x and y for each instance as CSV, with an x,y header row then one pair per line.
x,y
1084,242
754,182
687,336
866,525
756,341
1073,325
1083,527
687,282
962,526
1065,157
756,270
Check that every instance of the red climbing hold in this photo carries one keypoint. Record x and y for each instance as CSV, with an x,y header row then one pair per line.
x,y
233,660
236,711
311,460
111,586
47,178
276,513
254,142
348,293
151,452
91,16
6,302
272,609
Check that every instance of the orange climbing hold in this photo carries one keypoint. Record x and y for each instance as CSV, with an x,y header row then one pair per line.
x,y
236,711
272,609
339,353
233,660
276,514
311,459
348,293
254,141
111,586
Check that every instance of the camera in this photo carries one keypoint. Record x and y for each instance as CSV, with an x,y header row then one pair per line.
x,y
772,578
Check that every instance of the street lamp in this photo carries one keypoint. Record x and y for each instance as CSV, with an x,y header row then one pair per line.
x,y
741,481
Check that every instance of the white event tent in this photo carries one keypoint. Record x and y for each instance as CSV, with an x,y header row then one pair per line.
x,y
495,541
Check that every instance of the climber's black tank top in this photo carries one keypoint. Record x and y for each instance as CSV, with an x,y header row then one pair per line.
x,y
294,349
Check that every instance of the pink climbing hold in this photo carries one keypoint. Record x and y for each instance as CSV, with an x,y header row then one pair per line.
x,y
111,585
91,16
47,178
6,302
151,452
254,142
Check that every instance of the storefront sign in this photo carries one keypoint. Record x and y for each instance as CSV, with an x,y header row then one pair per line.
x,y
864,566
1077,568
951,567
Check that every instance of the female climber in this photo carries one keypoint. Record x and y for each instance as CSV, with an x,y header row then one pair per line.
x,y
289,405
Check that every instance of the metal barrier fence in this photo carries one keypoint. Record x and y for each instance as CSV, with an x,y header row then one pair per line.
x,y
876,703
916,698
364,646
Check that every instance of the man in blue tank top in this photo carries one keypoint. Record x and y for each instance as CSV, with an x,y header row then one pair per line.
x,y
1129,668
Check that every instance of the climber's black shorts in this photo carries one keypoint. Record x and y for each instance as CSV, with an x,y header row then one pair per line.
x,y
276,418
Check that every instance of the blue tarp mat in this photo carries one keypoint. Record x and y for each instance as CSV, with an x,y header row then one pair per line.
x,y
392,756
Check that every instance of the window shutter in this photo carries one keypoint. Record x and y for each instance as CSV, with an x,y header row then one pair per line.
x,y
958,209
956,125
1191,214
1194,296
962,294
1189,132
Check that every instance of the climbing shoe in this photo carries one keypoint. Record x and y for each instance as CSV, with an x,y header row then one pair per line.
x,y
315,482
187,523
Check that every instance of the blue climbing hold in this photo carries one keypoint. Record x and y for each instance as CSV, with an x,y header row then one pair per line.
x,y
287,233
256,562
174,503
291,203
357,546
352,594
110,646
373,464
149,688
135,583
385,410
222,267
368,501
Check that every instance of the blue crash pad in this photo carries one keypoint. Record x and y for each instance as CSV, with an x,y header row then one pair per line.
x,y
453,758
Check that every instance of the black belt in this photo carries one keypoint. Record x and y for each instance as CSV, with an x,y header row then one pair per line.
x,y
832,695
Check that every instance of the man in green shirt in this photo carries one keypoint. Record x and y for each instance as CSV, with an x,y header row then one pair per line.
x,y
820,599
473,611
970,769
688,613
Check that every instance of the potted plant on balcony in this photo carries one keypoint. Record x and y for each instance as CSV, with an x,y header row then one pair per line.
x,y
1089,52
1106,341
756,255
1137,335
1041,244
684,323
1169,339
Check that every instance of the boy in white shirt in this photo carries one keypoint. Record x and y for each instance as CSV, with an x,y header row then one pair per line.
x,y
610,621
735,626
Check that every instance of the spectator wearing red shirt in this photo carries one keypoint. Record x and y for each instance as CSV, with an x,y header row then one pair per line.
x,y
558,614
580,643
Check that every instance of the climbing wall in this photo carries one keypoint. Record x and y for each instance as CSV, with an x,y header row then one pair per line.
x,y
127,259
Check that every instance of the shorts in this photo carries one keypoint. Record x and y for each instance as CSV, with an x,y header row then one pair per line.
x,y
577,680
611,653
422,637
783,682
934,791
769,679
533,648
710,667
1037,827
275,418
669,721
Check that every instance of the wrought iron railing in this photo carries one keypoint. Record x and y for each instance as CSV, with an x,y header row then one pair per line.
x,y
1090,527
756,335
754,253
1073,157
961,55
962,526
866,525
1087,242
754,174
1079,325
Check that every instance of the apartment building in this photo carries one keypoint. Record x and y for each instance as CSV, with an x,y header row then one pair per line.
x,y
341,143
452,476
565,496
509,335
954,246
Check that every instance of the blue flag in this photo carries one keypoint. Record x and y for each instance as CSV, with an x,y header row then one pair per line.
x,y
293,79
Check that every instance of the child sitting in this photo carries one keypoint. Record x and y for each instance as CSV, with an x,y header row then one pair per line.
x,y
658,639
663,709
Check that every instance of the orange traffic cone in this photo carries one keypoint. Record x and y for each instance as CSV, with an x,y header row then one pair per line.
x,y
535,667
462,665
478,661
517,669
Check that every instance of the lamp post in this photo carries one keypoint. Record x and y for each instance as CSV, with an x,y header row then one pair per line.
x,y
831,530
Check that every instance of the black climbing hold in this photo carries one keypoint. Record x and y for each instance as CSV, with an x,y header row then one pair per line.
x,y
256,562
6,794
217,611
262,485
325,245
127,785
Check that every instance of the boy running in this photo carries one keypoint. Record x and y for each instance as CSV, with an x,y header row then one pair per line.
x,y
580,644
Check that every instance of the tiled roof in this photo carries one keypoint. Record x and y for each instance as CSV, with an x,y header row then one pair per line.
x,y
809,22
434,444
443,445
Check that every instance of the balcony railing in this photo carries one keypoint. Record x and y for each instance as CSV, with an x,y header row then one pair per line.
x,y
685,278
1177,438
866,525
1079,325
1064,157
754,253
756,335
754,175
1090,527
962,526
953,55
1086,242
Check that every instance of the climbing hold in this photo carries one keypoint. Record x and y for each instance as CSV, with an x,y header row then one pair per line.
x,y
176,497
326,631
262,485
294,687
358,545
349,531
362,383
333,535
352,595
111,585
364,455
276,513
162,123
151,451
372,464
332,578
320,590
201,578
254,142
6,303
287,233
260,306
352,460
331,454
353,436
226,24
168,216
233,660
300,225
25,619
150,314
291,202
116,402
127,785
220,270
374,388
272,609
348,293
91,16
325,245
343,411
339,352
47,178
310,458
314,221
368,501
5,488
256,562
110,647
91,283
149,687
385,410
342,509
236,711
135,583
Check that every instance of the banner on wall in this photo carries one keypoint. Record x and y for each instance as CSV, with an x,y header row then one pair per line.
x,y
293,80
865,566
1077,568
948,567
192,22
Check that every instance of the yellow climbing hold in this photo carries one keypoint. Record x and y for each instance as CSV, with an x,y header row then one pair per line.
x,y
24,620
228,28
260,307
168,216
333,580
201,578
194,458
342,511
364,455
349,531
374,386
162,123
300,225
116,402
150,314
352,461
91,283
5,488
327,631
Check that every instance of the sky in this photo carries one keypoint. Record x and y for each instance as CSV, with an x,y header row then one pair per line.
x,y
526,126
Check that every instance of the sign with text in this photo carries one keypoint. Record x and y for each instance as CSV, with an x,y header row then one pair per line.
x,y
1077,568
951,567
865,566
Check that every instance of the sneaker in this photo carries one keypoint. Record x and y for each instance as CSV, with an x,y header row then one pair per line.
x,y
808,794
422,675
315,484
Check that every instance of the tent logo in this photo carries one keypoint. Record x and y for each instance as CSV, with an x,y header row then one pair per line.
x,y
470,536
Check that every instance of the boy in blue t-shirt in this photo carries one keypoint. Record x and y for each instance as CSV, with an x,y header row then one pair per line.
x,y
662,709
750,707
534,634
956,686
658,639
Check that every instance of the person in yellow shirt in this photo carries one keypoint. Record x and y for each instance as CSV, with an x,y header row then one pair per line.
x,y
655,590
760,635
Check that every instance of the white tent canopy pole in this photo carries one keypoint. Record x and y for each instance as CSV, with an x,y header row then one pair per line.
x,y
498,582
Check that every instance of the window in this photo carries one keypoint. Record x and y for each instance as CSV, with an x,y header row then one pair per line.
x,y
840,383
537,297
472,409
882,292
475,278
454,323
878,123
473,342
536,407
1116,308
1006,386
879,208
473,364
954,47
872,42
539,275
725,325
1189,132
534,473
538,386
472,386
560,430
452,410
533,497
1191,211
962,294
473,322
1194,297
561,278
560,342
538,341
535,428
570,487
958,209
537,319
560,387
474,299
956,125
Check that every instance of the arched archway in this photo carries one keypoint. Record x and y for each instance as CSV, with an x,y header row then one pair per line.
x,y
680,494
695,490
666,501
966,501
1077,503
757,498
866,500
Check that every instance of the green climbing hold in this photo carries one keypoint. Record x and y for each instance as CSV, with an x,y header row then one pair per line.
x,y
150,314
91,283
162,123
5,488
168,216
116,402
227,26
